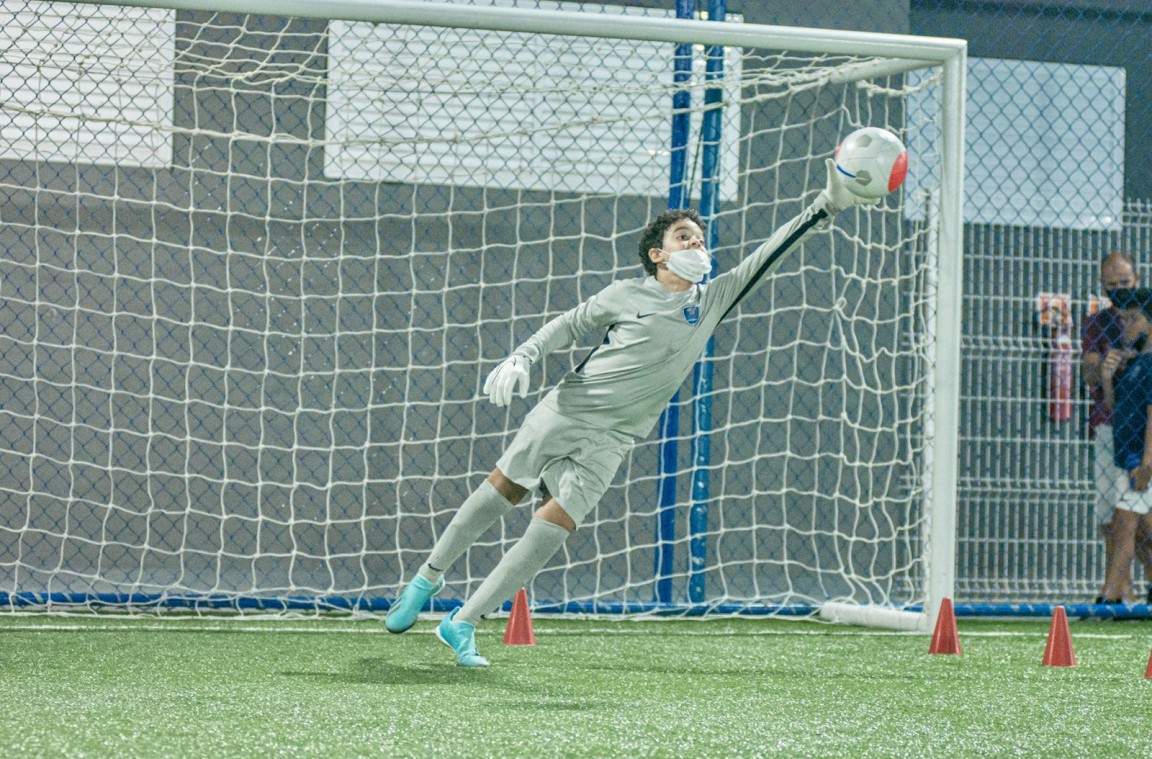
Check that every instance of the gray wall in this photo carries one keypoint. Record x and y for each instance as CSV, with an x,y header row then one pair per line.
x,y
1086,32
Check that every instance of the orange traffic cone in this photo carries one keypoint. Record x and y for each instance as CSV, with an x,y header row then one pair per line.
x,y
945,640
519,632
1148,671
1058,652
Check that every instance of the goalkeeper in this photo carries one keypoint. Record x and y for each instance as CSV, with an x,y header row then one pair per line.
x,y
576,437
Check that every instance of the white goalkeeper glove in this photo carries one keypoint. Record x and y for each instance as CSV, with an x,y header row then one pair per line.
x,y
692,264
502,380
837,192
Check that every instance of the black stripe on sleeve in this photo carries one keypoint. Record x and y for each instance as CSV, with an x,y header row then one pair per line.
x,y
592,352
775,255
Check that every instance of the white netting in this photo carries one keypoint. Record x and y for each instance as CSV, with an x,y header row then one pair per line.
x,y
254,270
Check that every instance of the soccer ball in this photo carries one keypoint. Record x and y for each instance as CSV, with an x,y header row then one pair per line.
x,y
873,161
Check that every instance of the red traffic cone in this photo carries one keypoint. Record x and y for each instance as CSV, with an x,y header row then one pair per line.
x,y
1148,671
1058,652
519,632
945,639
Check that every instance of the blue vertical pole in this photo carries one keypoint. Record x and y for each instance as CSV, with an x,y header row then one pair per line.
x,y
681,115
670,419
702,396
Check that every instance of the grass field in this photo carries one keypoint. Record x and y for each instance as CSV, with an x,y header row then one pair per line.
x,y
114,687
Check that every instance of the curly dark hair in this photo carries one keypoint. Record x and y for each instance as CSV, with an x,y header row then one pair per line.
x,y
653,236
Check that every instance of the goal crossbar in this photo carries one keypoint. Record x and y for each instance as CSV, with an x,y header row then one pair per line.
x,y
534,21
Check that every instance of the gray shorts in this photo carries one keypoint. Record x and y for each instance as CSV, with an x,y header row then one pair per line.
x,y
574,460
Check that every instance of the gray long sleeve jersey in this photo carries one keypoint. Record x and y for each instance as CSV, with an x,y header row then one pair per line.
x,y
653,336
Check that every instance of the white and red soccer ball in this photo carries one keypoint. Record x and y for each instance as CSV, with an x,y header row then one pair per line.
x,y
873,162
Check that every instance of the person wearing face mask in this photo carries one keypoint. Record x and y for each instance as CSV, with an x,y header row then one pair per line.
x,y
572,442
1104,342
1130,400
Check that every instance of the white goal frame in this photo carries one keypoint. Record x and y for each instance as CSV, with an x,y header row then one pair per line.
x,y
903,53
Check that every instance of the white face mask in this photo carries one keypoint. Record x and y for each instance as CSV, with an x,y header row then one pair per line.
x,y
692,264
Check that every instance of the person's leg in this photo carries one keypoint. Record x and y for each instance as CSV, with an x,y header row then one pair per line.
x,y
1109,552
1111,483
1118,581
495,497
574,485
1144,551
546,533
577,463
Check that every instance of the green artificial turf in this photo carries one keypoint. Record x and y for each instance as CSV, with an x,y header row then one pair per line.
x,y
117,687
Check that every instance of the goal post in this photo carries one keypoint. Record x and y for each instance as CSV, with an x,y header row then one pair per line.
x,y
259,257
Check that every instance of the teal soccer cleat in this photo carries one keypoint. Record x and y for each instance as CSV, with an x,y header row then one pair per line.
x,y
461,638
402,614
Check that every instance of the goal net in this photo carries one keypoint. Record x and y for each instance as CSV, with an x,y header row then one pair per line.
x,y
254,270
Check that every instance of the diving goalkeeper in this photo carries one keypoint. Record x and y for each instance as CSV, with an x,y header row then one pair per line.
x,y
576,437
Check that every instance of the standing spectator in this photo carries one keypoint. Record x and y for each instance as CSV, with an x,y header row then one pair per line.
x,y
1130,399
1104,336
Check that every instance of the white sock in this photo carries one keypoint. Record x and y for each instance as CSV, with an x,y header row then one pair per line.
x,y
478,512
540,543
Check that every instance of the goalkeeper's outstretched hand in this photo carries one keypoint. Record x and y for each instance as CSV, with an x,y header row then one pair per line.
x,y
508,374
837,192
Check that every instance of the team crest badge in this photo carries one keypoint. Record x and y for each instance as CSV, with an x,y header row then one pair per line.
x,y
692,314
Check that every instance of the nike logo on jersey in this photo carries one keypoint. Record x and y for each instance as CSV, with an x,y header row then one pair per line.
x,y
645,316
